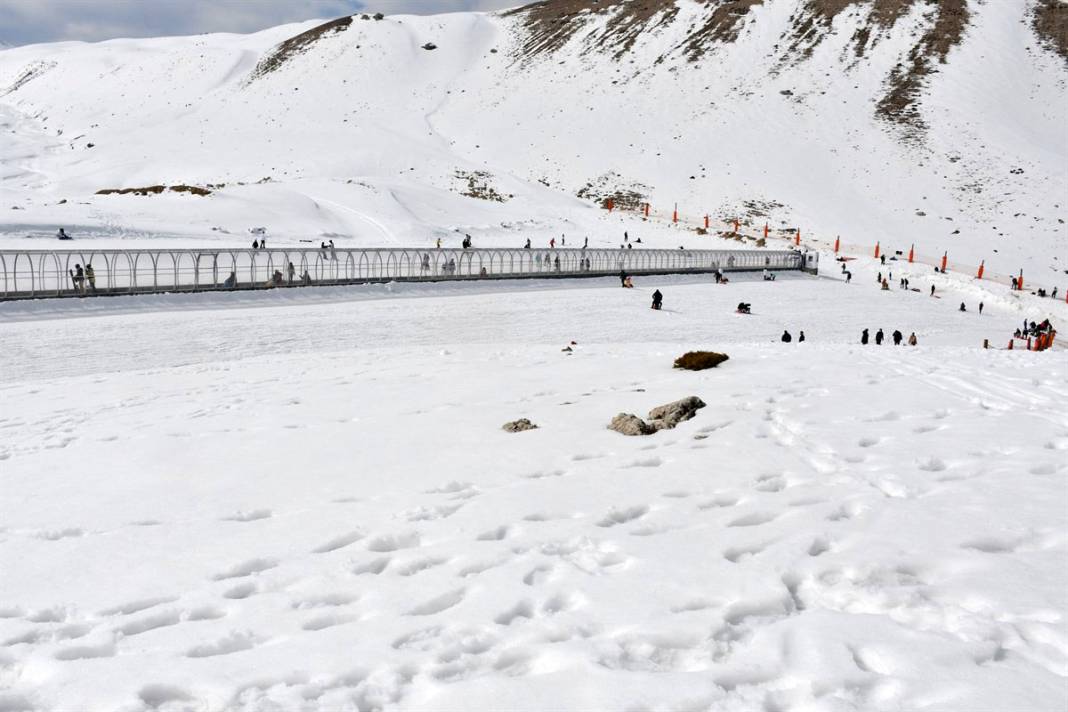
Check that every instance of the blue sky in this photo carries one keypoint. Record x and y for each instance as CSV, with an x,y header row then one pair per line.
x,y
29,21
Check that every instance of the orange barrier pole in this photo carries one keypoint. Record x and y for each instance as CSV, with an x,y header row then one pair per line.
x,y
797,239
1019,282
876,249
944,256
837,242
735,227
1010,344
706,222
675,214
765,231
979,274
912,253
647,210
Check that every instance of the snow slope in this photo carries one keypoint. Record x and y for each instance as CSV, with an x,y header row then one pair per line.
x,y
304,500
361,134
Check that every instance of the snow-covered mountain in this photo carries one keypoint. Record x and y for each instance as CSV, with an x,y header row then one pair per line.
x,y
904,121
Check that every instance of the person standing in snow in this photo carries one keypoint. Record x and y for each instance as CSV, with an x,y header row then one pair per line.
x,y
527,246
849,277
864,337
439,243
879,337
963,308
263,244
897,336
658,300
552,243
78,277
90,274
586,243
912,339
61,235
563,241
980,308
786,338
801,337
255,244
879,277
333,252
622,278
932,290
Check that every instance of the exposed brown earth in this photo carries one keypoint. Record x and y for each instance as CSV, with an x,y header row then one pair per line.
x,y
901,103
155,190
298,44
1051,25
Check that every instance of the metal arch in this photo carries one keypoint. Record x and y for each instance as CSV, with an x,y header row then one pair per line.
x,y
28,273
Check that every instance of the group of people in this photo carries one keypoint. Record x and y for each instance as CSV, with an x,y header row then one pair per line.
x,y
80,277
1034,329
897,337
786,338
259,244
328,251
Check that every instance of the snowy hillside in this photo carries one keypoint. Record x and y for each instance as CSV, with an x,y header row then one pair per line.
x,y
902,122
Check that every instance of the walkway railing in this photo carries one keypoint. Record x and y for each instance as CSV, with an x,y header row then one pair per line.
x,y
67,273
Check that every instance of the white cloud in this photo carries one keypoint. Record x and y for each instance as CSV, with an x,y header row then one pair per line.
x,y
29,21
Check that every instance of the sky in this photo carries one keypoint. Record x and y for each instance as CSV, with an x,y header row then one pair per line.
x,y
30,21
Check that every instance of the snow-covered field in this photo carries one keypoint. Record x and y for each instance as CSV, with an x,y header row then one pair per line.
x,y
306,501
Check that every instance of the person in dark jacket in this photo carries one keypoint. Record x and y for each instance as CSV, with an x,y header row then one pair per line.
x,y
786,338
897,336
879,337
800,337
622,278
658,299
864,337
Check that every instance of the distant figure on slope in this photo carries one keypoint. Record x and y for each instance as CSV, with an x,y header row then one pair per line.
x,y
585,243
658,300
333,252
527,245
563,241
980,308
255,244
552,243
864,337
932,290
263,244
786,338
886,286
61,235
801,337
849,277
90,274
963,308
438,243
878,277
882,259
231,281
879,337
897,336
769,276
1014,284
744,308
912,339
